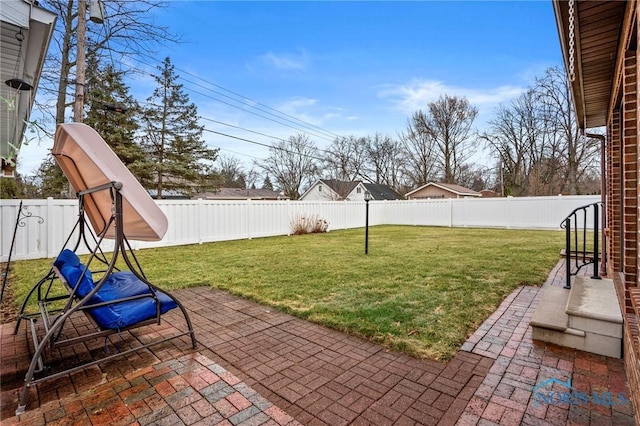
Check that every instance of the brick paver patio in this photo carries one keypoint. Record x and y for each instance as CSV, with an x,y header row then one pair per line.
x,y
506,394
256,366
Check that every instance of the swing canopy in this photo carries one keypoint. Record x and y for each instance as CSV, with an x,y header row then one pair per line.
x,y
88,162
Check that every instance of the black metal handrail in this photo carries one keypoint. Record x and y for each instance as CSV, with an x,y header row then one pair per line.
x,y
578,236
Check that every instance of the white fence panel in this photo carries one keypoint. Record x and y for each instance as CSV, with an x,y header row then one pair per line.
x,y
199,221
421,212
532,212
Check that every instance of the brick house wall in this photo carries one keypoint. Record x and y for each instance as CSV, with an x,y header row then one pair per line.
x,y
622,206
606,92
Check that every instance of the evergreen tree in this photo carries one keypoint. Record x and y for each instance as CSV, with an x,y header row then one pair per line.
x,y
266,184
112,113
10,188
52,183
180,159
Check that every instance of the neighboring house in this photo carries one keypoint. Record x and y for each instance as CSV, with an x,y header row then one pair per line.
x,y
489,193
168,194
242,194
25,36
441,190
599,43
339,190
381,192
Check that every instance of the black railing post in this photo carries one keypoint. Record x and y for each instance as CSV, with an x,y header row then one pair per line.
x,y
596,237
580,244
567,228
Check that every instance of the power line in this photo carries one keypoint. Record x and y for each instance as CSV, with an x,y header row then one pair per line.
x,y
237,153
246,110
247,130
243,98
311,128
262,144
307,124
242,128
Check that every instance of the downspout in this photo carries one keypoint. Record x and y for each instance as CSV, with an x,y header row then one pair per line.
x,y
603,199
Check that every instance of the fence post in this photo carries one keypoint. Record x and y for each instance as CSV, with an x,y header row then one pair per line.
x,y
199,222
248,217
450,212
50,236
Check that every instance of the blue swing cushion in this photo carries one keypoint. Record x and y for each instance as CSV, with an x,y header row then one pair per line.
x,y
120,284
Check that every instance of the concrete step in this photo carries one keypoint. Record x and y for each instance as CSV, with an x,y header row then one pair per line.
x,y
551,311
587,317
593,307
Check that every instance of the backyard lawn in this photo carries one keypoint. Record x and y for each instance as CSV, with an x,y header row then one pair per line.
x,y
421,290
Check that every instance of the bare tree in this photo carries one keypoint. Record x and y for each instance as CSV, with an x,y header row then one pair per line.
x,y
251,178
385,160
129,31
231,171
449,122
292,163
537,142
527,149
578,152
346,158
513,137
420,153
474,176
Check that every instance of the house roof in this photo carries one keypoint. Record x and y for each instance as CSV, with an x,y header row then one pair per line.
x,y
341,187
242,194
489,193
26,32
451,187
169,194
597,34
382,192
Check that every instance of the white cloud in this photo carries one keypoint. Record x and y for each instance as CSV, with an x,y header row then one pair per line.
x,y
307,109
417,94
286,61
297,102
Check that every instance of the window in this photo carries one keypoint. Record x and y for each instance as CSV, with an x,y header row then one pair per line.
x,y
358,190
319,188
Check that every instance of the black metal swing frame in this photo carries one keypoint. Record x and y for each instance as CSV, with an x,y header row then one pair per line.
x,y
54,320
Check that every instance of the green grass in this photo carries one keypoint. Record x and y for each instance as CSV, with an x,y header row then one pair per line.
x,y
421,290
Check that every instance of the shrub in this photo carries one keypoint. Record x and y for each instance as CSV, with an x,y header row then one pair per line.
x,y
308,225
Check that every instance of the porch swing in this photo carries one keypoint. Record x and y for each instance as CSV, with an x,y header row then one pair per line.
x,y
117,208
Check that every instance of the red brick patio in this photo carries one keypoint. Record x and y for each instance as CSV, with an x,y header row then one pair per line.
x,y
256,366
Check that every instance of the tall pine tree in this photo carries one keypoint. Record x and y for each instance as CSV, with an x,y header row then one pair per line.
x,y
180,159
112,113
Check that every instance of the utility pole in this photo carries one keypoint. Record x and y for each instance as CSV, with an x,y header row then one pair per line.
x,y
78,105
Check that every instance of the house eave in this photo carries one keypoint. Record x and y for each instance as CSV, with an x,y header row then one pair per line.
x,y
24,61
597,30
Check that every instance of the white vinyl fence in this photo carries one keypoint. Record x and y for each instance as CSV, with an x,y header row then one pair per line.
x,y
46,224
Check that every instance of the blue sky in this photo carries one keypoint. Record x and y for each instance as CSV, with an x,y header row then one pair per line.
x,y
349,68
